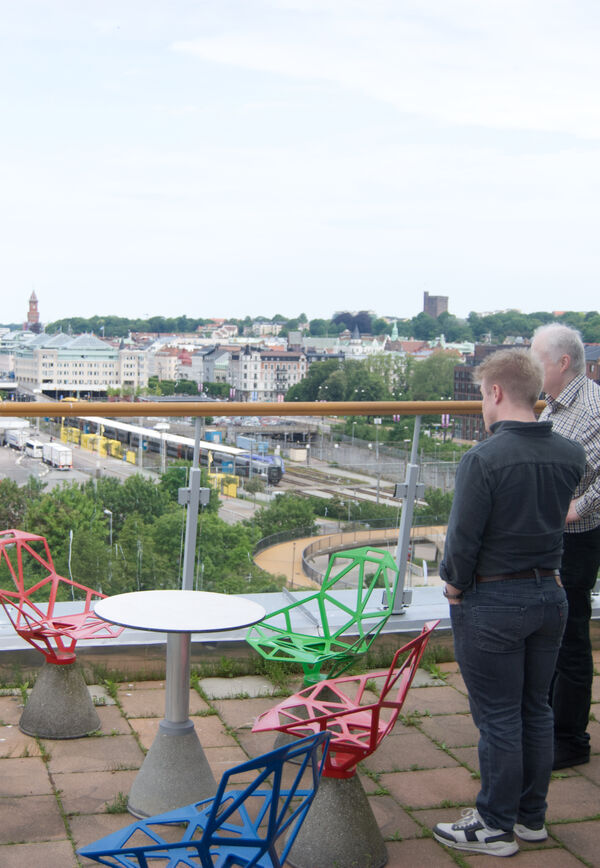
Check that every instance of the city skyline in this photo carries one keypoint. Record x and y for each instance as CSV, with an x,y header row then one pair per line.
x,y
245,158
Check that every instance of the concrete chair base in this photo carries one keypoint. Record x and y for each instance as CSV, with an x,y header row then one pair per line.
x,y
340,829
60,705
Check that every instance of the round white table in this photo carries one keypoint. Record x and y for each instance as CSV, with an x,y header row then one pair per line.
x,y
175,771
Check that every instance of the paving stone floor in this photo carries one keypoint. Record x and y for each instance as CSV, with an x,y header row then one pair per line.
x,y
58,795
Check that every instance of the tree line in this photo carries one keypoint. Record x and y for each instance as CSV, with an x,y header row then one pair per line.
x,y
119,537
495,327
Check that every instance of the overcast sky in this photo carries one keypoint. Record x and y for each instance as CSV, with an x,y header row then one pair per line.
x,y
254,157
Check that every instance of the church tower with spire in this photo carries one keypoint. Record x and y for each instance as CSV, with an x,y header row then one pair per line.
x,y
33,317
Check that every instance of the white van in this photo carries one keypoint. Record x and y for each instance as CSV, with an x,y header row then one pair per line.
x,y
33,448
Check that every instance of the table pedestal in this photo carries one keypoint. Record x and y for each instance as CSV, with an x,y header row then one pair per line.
x,y
175,771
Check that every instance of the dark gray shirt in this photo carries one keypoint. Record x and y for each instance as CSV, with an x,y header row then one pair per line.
x,y
511,497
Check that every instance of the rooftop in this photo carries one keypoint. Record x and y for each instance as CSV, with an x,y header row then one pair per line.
x,y
59,795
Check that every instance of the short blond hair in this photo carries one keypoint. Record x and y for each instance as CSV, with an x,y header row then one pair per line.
x,y
519,373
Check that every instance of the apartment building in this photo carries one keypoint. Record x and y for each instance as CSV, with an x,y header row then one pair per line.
x,y
265,375
83,364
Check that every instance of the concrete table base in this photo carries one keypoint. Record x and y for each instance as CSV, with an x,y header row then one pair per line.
x,y
174,773
60,705
340,829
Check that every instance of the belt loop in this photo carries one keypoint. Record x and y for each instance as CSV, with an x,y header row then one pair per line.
x,y
536,573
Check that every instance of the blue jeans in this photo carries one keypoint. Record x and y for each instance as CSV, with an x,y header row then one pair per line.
x,y
506,640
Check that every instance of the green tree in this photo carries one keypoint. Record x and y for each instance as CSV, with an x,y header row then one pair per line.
x,y
433,377
13,504
286,512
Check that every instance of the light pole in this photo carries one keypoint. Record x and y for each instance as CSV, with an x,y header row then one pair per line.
x,y
353,427
108,512
377,423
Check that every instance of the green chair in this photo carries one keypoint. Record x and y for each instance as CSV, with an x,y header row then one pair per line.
x,y
334,625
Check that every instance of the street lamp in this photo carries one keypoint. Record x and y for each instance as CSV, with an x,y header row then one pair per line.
x,y
353,427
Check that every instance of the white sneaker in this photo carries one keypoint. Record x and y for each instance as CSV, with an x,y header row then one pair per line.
x,y
473,834
525,833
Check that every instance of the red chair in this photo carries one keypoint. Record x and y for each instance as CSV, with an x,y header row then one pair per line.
x,y
30,606
357,724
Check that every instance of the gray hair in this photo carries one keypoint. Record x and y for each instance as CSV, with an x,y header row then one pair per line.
x,y
559,340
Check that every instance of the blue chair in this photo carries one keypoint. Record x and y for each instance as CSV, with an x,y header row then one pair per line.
x,y
237,827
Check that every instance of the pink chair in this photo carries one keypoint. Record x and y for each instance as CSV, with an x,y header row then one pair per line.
x,y
357,724
60,705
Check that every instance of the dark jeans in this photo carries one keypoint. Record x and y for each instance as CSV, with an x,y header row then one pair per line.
x,y
571,691
506,639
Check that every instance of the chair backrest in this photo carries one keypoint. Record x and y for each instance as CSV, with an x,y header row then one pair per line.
x,y
369,572
337,706
29,604
236,827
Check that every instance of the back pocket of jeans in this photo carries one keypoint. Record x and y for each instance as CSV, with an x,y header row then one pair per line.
x,y
498,628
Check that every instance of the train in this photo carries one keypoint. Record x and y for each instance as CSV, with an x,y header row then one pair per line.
x,y
215,456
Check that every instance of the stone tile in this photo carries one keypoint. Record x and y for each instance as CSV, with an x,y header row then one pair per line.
x,y
591,770
100,695
151,703
50,854
418,853
14,743
227,688
423,678
455,680
24,777
453,730
467,755
91,792
392,820
530,858
428,788
436,700
88,828
210,730
11,709
407,748
572,798
107,753
222,758
238,713
130,686
596,689
112,721
594,731
450,666
35,818
256,743
582,839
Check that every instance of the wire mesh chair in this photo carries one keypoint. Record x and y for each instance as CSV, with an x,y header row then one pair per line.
x,y
346,623
238,827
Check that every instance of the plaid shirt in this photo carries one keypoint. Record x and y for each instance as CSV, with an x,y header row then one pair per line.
x,y
575,414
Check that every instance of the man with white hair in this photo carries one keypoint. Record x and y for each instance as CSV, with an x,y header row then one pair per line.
x,y
573,407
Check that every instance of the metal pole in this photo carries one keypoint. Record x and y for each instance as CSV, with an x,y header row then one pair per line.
x,y
191,528
408,503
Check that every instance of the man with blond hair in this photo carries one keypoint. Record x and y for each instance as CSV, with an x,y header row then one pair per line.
x,y
507,605
573,408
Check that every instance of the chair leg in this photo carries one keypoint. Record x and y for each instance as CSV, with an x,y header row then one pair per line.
x,y
340,829
60,705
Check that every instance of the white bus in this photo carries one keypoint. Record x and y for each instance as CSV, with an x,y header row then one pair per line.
x,y
33,448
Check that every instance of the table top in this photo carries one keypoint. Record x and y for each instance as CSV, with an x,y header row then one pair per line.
x,y
179,611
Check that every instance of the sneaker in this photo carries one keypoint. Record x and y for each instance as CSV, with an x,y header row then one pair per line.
x,y
473,834
526,833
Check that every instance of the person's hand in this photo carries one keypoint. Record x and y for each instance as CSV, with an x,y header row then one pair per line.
x,y
572,514
452,594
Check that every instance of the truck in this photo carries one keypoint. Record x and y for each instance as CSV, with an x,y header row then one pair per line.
x,y
16,437
57,455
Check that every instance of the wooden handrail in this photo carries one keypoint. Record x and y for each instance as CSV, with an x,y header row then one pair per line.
x,y
114,409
